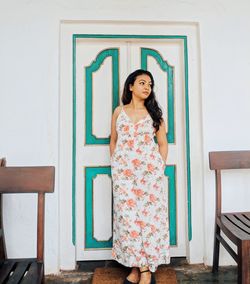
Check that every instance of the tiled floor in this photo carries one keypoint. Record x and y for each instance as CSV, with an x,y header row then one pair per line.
x,y
185,273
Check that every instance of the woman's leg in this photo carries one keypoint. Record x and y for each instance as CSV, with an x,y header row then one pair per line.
x,y
145,277
134,275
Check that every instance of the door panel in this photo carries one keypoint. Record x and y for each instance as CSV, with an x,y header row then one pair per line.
x,y
101,69
97,94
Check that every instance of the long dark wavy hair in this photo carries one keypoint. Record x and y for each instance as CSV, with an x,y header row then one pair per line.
x,y
150,103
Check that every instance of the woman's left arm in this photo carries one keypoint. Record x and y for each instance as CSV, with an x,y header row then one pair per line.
x,y
162,140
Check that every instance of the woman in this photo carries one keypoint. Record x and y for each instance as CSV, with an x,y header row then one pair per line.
x,y
140,219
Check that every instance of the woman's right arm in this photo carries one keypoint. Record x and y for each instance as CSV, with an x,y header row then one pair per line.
x,y
113,135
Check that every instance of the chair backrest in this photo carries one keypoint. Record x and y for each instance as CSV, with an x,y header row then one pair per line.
x,y
30,180
223,160
26,179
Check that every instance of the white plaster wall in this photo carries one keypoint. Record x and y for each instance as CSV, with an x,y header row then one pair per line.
x,y
29,95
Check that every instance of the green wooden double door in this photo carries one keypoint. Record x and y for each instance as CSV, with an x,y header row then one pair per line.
x,y
100,67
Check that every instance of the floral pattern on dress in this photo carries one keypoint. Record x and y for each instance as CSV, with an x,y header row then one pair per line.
x,y
140,213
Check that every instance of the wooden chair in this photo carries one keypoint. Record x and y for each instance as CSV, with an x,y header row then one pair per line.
x,y
236,226
38,180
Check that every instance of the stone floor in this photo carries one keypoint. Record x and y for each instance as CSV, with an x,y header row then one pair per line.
x,y
185,273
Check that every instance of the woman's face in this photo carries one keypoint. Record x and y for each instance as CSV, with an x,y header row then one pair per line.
x,y
142,86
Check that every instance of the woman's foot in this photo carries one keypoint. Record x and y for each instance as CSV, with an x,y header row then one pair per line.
x,y
134,275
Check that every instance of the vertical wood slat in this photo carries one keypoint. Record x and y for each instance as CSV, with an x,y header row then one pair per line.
x,y
2,162
40,226
218,192
244,262
2,239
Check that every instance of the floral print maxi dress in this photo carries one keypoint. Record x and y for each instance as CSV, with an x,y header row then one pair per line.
x,y
140,217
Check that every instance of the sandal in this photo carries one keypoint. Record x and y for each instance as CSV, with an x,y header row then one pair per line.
x,y
152,281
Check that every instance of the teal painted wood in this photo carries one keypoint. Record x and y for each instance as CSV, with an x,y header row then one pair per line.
x,y
95,65
75,36
170,173
182,37
73,201
145,53
90,174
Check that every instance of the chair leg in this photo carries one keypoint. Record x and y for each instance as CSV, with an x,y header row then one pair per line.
x,y
244,262
216,249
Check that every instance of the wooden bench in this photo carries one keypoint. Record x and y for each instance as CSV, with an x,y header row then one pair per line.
x,y
38,180
236,226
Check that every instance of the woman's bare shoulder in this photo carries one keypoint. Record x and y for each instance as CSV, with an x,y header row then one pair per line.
x,y
117,111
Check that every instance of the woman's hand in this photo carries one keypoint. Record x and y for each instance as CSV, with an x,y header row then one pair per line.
x,y
162,141
113,135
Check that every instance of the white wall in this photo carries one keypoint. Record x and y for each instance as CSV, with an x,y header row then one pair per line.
x,y
29,94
